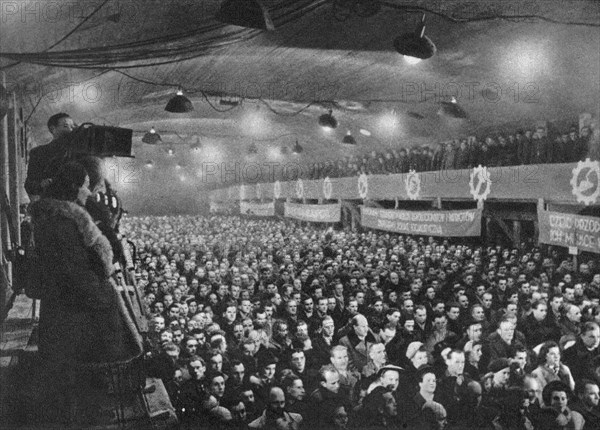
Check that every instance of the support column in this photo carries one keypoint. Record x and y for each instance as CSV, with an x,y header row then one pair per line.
x,y
5,270
13,166
516,233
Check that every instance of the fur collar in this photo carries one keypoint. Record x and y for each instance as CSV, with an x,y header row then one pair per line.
x,y
45,210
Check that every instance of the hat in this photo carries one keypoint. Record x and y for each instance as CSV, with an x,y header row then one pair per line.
x,y
423,370
266,358
389,367
498,364
412,349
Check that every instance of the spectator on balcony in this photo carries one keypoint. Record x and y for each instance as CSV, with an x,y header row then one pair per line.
x,y
402,163
522,148
540,148
449,159
462,156
438,156
483,156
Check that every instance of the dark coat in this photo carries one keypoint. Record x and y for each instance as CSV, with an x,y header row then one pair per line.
x,y
358,351
44,162
537,332
579,359
82,317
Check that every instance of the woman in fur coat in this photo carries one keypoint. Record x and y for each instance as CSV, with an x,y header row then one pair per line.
x,y
82,319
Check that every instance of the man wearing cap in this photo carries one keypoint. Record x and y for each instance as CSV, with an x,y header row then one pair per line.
x,y
388,376
265,379
497,397
416,357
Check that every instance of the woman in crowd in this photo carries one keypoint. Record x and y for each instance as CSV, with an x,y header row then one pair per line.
x,y
550,367
473,356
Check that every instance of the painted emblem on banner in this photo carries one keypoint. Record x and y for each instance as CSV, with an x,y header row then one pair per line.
x,y
480,184
277,189
258,191
585,183
327,188
299,188
363,186
413,185
242,192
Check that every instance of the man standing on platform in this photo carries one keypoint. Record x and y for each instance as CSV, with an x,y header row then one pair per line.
x,y
45,160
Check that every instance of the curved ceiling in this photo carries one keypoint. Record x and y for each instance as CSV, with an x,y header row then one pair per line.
x,y
119,62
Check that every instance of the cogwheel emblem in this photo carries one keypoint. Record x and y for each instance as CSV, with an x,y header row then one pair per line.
x,y
413,185
327,188
363,186
299,188
277,189
242,192
258,191
480,183
585,182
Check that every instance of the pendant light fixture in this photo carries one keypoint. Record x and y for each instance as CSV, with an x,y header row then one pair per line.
x,y
179,103
328,121
151,137
415,46
452,109
349,139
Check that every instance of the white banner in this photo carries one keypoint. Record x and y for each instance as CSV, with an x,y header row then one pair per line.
x,y
220,207
257,209
313,213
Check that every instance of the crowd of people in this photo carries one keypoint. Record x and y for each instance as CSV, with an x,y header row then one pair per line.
x,y
270,324
521,148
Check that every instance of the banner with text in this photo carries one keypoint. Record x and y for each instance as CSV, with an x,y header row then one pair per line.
x,y
221,207
257,209
570,230
426,223
313,213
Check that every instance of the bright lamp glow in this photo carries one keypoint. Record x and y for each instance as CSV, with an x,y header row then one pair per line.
x,y
527,59
412,60
275,153
255,123
212,154
388,123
